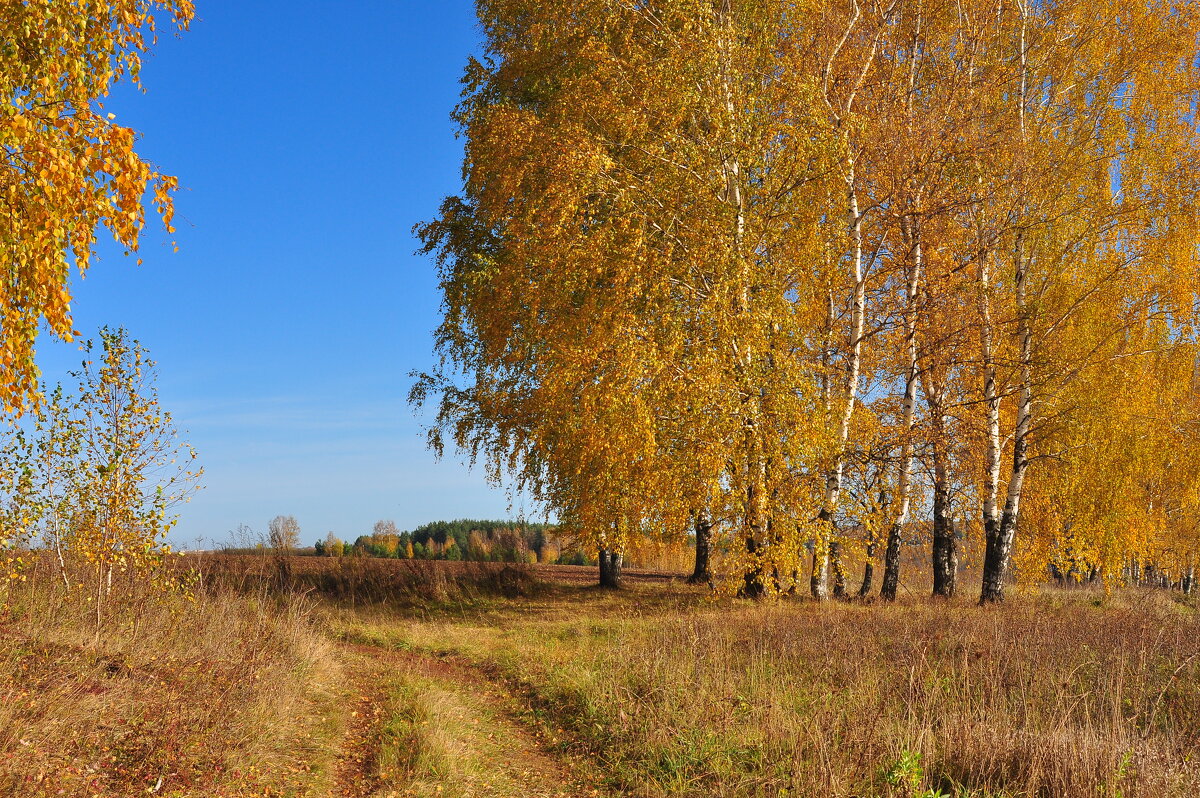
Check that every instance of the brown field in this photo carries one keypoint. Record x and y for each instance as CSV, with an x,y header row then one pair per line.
x,y
304,676
401,572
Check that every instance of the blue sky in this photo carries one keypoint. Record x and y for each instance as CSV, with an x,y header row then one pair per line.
x,y
307,145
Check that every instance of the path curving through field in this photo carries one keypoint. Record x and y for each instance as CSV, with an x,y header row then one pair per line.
x,y
424,725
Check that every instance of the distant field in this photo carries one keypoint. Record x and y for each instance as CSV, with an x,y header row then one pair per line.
x,y
267,563
303,676
916,577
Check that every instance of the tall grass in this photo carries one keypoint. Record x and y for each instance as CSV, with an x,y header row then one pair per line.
x,y
241,691
1049,696
362,580
209,696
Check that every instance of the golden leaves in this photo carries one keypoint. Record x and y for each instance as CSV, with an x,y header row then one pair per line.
x,y
590,278
68,167
691,240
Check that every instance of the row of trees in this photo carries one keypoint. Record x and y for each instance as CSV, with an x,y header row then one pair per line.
x,y
803,276
481,541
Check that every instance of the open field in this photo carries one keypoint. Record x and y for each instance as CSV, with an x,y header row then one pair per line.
x,y
493,680
390,578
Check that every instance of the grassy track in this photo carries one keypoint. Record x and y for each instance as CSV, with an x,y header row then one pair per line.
x,y
1060,694
430,726
488,683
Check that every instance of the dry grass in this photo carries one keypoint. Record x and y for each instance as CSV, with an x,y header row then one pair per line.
x,y
235,691
1047,696
363,580
211,697
664,690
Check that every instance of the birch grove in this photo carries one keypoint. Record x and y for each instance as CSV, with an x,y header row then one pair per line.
x,y
828,280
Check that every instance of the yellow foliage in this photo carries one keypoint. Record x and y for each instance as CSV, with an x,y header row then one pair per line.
x,y
709,257
101,472
68,168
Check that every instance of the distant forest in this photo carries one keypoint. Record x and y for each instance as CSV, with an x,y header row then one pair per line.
x,y
462,539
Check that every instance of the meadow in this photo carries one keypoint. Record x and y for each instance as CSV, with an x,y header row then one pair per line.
x,y
360,677
793,285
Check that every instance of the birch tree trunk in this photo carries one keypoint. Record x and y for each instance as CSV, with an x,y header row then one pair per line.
x,y
891,559
945,561
854,223
833,481
58,550
944,555
868,579
864,589
991,400
839,568
611,563
998,553
753,520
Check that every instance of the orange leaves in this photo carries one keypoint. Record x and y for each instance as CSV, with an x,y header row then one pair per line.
x,y
694,238
592,270
71,169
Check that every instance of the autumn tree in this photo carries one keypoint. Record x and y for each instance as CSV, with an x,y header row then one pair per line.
x,y
67,167
1081,214
618,278
1120,489
17,527
97,474
283,533
385,527
839,51
139,468
812,273
55,470
1026,207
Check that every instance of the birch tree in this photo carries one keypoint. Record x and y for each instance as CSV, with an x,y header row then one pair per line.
x,y
1081,211
625,311
101,471
67,168
283,533
707,254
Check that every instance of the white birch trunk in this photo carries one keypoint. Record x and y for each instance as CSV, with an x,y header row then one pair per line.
x,y
734,196
854,219
833,482
891,571
998,553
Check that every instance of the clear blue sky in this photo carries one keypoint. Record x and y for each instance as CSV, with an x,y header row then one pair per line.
x,y
308,139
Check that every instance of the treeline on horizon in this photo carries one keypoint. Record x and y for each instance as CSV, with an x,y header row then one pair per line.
x,y
461,539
